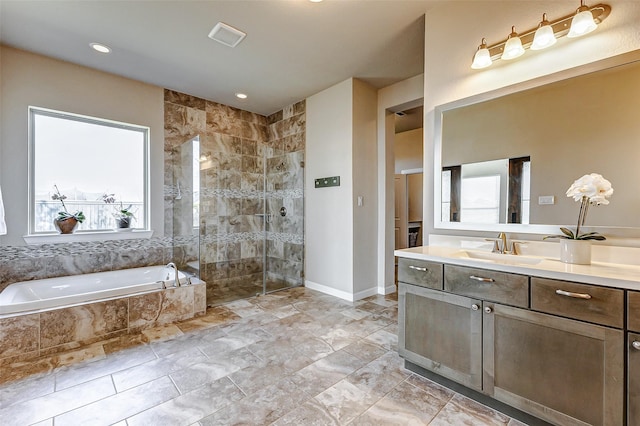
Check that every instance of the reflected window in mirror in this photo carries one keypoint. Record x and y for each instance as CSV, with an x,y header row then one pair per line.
x,y
487,192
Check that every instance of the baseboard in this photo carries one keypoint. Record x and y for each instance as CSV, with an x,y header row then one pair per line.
x,y
365,293
329,290
390,289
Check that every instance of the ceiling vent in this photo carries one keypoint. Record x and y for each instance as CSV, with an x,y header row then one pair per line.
x,y
226,34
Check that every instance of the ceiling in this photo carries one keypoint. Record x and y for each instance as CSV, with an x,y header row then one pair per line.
x,y
293,48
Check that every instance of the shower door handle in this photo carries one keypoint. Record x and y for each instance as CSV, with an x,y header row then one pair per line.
x,y
264,216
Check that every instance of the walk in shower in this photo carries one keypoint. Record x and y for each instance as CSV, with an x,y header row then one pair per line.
x,y
238,205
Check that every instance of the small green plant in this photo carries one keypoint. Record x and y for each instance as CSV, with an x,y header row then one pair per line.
x,y
64,215
121,212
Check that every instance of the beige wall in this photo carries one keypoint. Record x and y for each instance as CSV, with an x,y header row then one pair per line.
x,y
340,237
329,211
448,53
407,150
364,185
30,79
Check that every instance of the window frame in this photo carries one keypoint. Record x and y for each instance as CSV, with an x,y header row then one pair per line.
x,y
145,130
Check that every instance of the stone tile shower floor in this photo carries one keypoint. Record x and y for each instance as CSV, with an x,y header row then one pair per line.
x,y
297,357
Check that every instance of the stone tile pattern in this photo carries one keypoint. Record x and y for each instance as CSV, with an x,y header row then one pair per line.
x,y
293,357
30,336
285,188
236,144
24,263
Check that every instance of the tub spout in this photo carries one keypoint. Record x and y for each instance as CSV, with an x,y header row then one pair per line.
x,y
176,282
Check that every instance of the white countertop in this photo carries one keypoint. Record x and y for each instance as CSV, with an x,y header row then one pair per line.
x,y
599,273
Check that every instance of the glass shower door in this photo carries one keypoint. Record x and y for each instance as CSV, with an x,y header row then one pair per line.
x,y
284,227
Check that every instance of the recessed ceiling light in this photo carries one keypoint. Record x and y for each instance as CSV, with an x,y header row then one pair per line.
x,y
315,1
241,95
100,48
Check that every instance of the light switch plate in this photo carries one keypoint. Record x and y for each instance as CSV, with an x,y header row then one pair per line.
x,y
546,199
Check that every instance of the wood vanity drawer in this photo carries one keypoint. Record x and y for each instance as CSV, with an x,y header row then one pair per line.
x,y
501,287
420,272
600,305
633,311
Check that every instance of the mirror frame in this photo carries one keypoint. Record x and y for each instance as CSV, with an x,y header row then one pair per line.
x,y
623,59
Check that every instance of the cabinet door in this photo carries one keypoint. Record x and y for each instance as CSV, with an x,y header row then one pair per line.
x,y
634,379
564,371
441,332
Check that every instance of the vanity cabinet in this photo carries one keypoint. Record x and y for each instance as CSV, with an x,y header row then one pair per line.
x,y
564,371
633,358
633,379
441,332
556,355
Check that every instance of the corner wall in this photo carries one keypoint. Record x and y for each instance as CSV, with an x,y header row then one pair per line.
x,y
329,211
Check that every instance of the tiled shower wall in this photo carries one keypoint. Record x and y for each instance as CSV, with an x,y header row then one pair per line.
x,y
234,145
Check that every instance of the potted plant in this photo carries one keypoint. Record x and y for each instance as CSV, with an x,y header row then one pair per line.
x,y
123,215
66,222
591,189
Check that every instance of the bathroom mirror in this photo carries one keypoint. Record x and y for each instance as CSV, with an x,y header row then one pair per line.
x,y
587,123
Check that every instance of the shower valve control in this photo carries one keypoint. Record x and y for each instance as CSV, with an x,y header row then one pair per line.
x,y
283,211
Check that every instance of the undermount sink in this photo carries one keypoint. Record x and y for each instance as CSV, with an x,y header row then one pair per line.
x,y
507,259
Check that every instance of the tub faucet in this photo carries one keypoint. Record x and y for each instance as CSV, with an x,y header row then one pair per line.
x,y
176,282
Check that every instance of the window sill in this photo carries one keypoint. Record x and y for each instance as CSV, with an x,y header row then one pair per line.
x,y
85,236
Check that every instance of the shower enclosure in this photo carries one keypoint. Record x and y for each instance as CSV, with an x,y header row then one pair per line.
x,y
238,213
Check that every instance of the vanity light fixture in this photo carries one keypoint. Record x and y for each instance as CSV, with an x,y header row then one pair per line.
x,y
582,23
513,47
482,58
584,20
544,36
98,47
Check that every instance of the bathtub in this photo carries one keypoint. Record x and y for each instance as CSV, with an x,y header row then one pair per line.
x,y
51,293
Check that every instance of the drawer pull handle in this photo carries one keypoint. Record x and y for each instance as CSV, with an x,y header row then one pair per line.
x,y
482,279
488,310
418,268
475,307
636,345
574,295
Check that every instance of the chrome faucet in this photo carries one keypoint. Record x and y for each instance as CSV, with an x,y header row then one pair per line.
x,y
176,282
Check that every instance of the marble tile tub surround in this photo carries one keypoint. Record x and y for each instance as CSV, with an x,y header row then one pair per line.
x,y
292,357
23,263
29,336
232,191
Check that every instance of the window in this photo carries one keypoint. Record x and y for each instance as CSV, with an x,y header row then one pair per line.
x,y
481,199
86,158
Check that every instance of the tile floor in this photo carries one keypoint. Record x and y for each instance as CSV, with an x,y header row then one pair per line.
x,y
297,357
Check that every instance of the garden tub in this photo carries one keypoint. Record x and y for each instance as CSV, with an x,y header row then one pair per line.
x,y
51,293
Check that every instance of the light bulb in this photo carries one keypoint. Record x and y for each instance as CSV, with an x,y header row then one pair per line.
x,y
544,36
482,58
582,23
513,48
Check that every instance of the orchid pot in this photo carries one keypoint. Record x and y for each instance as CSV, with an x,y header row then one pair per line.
x,y
577,252
66,225
589,190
